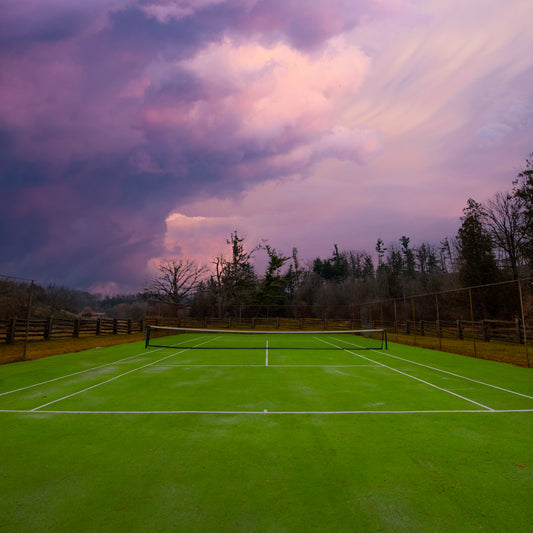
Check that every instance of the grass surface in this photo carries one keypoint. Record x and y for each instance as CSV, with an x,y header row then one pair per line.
x,y
173,440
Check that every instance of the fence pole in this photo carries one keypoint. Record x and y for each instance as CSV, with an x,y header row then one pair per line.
x,y
523,320
438,321
28,317
472,321
11,331
414,316
395,321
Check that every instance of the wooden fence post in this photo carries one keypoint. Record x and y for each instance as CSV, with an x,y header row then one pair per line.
x,y
518,331
48,329
11,331
486,330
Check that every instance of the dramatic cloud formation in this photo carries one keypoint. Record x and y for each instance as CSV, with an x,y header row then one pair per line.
x,y
132,130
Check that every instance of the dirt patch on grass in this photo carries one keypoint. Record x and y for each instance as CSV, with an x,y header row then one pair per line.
x,y
10,353
503,352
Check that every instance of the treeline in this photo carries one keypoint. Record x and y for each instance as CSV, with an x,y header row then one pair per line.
x,y
62,302
494,243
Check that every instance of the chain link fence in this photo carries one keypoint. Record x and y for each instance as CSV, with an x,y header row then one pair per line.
x,y
491,321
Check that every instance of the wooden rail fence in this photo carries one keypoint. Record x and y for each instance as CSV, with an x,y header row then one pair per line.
x,y
498,330
15,329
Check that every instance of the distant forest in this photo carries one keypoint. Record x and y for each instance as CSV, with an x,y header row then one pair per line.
x,y
494,243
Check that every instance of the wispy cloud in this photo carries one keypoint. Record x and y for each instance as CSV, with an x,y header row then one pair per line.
x,y
135,129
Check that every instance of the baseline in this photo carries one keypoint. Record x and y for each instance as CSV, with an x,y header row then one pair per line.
x,y
262,365
266,412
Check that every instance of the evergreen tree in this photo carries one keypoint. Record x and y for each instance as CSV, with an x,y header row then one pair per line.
x,y
336,268
395,274
382,274
293,277
272,288
408,258
446,258
475,248
380,249
236,277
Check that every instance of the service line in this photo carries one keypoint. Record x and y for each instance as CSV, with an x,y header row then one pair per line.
x,y
410,376
115,377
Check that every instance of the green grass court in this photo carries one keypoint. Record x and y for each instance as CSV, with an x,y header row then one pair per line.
x,y
273,433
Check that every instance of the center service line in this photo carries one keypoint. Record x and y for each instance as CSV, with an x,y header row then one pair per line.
x,y
266,361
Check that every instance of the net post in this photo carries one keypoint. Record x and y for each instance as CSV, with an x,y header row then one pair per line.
x,y
147,337
386,342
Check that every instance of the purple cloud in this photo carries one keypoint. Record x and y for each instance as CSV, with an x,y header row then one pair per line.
x,y
117,115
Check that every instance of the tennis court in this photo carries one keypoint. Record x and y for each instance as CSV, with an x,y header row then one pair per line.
x,y
266,432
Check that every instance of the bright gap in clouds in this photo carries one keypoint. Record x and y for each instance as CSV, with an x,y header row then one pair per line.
x,y
361,148
134,130
330,206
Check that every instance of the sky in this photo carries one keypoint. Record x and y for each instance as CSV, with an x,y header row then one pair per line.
x,y
133,131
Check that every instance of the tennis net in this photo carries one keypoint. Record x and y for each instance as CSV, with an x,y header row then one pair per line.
x,y
187,338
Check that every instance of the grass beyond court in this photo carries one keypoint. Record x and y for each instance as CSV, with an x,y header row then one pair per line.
x,y
129,438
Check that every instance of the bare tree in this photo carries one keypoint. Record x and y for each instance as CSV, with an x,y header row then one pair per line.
x,y
177,280
523,192
503,219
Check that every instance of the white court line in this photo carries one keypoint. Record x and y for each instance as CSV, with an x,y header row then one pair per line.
x,y
193,365
266,362
80,372
115,377
449,373
413,412
409,376
77,373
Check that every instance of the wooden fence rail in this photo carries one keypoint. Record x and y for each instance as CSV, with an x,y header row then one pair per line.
x,y
486,330
15,329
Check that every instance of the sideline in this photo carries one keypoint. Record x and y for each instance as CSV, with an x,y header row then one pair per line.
x,y
115,377
409,375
